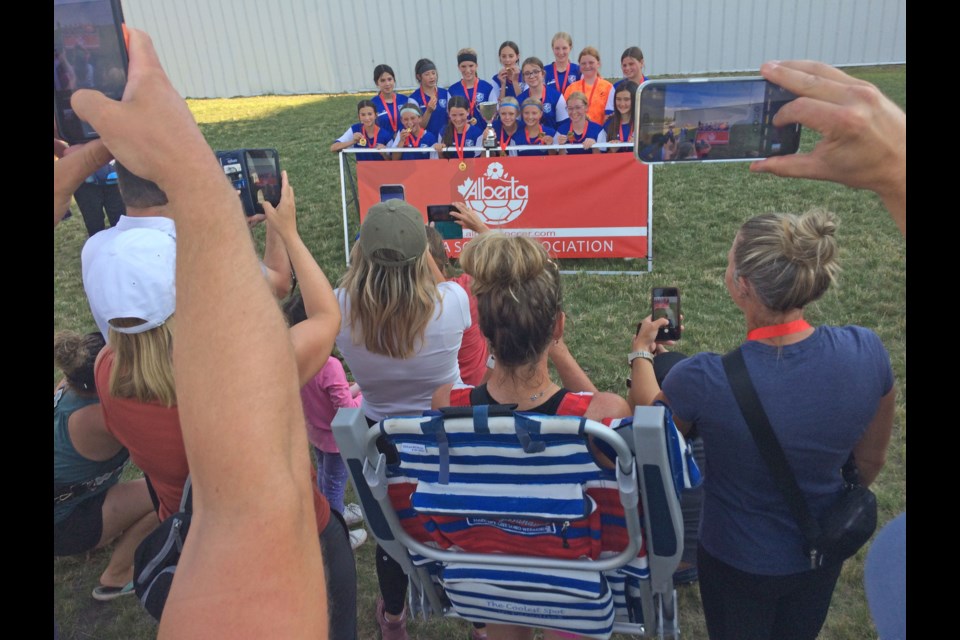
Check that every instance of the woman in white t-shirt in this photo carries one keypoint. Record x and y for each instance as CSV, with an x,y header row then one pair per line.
x,y
400,331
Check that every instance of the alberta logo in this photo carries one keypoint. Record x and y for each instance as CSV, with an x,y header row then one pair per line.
x,y
496,195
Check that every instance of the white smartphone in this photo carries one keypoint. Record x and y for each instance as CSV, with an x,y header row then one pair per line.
x,y
711,120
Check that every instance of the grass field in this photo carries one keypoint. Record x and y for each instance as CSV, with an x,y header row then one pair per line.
x,y
696,212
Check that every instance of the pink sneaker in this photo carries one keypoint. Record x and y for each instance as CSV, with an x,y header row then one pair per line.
x,y
391,630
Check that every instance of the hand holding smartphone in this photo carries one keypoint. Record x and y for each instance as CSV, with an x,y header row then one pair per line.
x,y
711,120
443,221
255,174
665,303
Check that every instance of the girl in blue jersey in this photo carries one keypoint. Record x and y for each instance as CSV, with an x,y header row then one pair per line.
x,y
431,98
471,88
620,127
631,63
579,130
387,102
506,125
554,104
412,135
533,132
561,73
459,133
366,134
507,82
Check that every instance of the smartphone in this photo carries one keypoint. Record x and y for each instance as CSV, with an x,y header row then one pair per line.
x,y
443,222
263,166
711,120
391,192
255,174
665,303
89,52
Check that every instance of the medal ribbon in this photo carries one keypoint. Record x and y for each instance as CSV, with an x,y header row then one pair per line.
x,y
537,139
556,79
416,143
503,143
778,330
371,142
473,100
459,143
629,133
386,106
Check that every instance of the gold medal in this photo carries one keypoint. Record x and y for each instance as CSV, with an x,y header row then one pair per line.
x,y
463,166
473,121
362,142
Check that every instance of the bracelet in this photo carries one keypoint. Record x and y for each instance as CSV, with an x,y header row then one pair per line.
x,y
633,355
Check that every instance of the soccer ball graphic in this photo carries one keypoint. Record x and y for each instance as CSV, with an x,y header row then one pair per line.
x,y
496,197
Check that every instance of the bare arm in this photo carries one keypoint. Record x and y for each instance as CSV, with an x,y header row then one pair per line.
x,y
313,338
871,452
245,440
572,376
643,382
864,134
277,262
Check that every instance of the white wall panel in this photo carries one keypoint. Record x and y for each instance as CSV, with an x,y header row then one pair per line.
x,y
223,48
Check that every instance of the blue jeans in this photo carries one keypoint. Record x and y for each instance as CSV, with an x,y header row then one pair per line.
x,y
331,478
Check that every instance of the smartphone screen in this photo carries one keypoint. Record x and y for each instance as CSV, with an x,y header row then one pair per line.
x,y
88,53
665,303
443,222
391,192
263,166
711,120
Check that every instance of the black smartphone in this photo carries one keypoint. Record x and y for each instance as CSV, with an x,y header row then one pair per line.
x,y
665,303
255,174
264,177
443,222
711,120
391,192
89,52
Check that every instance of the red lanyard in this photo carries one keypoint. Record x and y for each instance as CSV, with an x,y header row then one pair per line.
x,y
371,141
416,143
473,100
556,78
596,81
629,133
577,137
386,107
503,143
459,143
423,97
778,330
537,139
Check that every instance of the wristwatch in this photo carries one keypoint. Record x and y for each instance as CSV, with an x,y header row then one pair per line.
x,y
633,355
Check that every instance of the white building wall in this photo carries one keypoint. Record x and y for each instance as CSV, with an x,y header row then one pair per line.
x,y
221,48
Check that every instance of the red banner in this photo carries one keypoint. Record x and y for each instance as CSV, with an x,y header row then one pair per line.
x,y
585,206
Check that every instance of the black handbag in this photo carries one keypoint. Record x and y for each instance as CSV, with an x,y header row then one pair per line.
x,y
155,560
848,523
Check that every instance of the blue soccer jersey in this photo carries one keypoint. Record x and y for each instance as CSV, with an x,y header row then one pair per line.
x,y
499,92
593,130
521,138
438,119
425,141
472,137
479,92
388,115
380,136
613,94
560,80
554,106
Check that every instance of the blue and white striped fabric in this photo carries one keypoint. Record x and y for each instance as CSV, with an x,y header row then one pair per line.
x,y
544,501
574,601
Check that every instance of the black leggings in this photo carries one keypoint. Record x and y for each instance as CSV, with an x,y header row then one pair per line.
x,y
341,573
745,606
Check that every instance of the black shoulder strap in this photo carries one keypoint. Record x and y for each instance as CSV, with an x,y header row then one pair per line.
x,y
770,449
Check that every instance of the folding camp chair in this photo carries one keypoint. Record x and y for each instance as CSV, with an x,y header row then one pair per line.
x,y
502,516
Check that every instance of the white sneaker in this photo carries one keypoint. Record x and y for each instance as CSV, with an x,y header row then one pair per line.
x,y
357,537
352,514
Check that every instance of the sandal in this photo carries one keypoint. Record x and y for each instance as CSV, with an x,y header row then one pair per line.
x,y
105,594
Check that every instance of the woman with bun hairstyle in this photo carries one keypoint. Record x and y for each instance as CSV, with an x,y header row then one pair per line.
x,y
592,85
508,81
554,104
471,88
579,130
631,63
387,101
430,97
561,73
620,127
91,507
459,133
828,392
366,134
401,329
532,132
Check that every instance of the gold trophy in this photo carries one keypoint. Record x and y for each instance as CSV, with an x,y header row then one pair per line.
x,y
488,110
